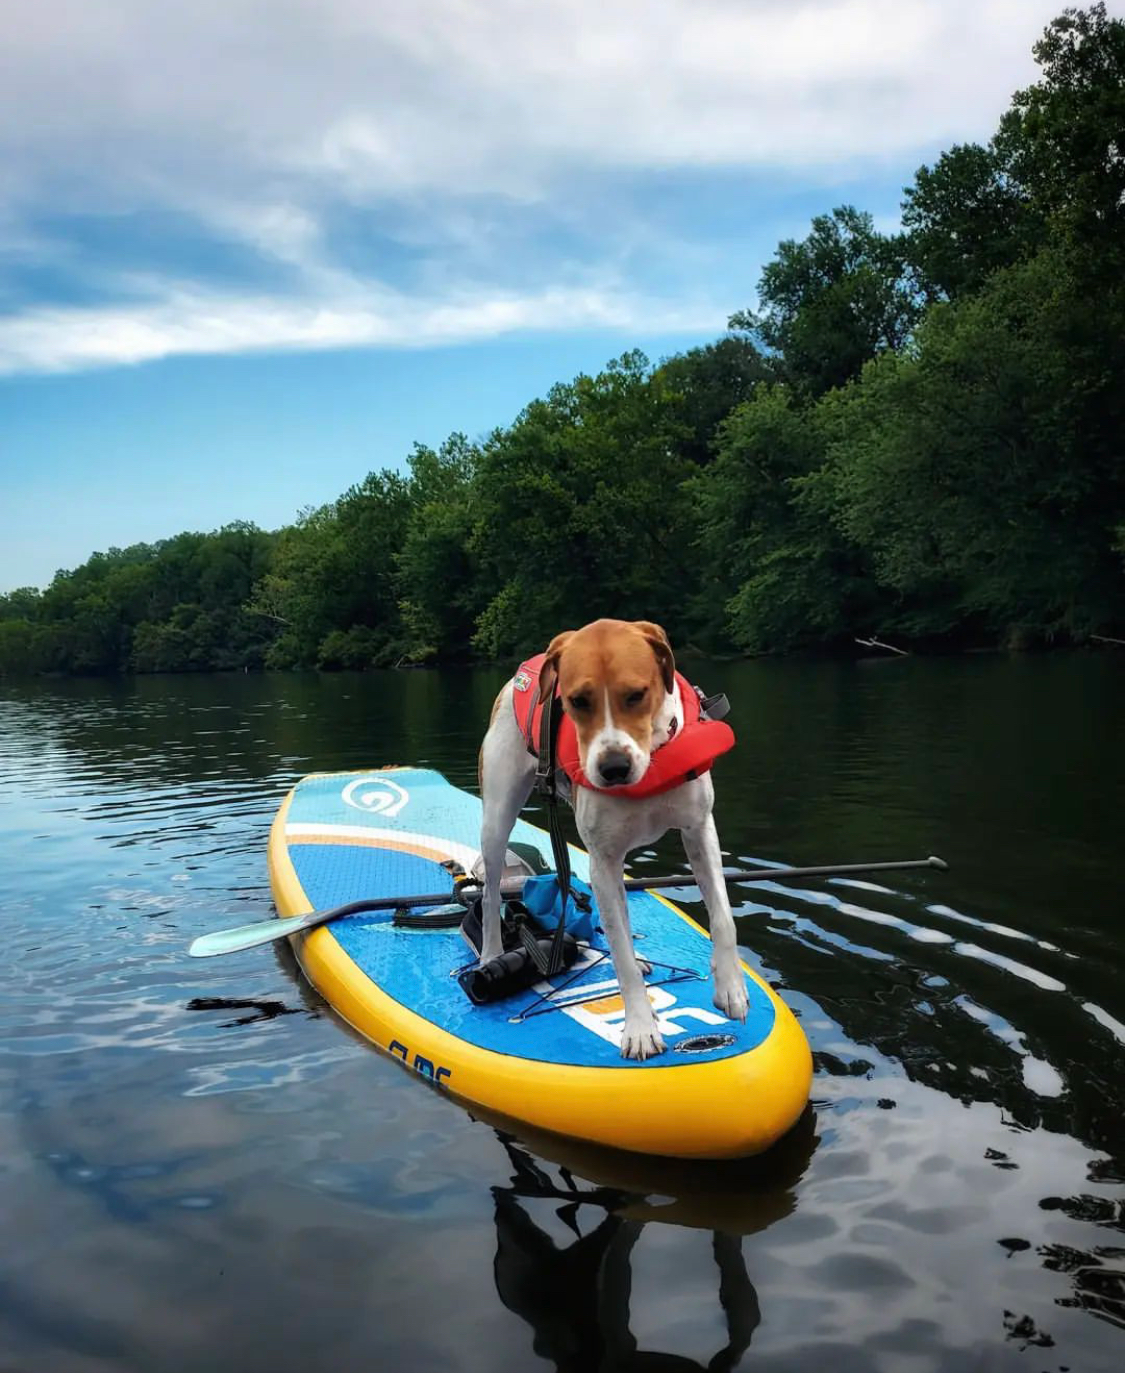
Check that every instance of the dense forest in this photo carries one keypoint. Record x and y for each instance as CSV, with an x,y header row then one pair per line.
x,y
920,435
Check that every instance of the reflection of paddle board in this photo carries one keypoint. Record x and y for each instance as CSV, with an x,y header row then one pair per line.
x,y
548,1057
739,1195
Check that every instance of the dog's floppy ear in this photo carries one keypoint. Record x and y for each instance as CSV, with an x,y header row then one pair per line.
x,y
658,642
549,672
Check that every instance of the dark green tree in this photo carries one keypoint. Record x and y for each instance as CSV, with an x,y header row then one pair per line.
x,y
1063,140
969,473
440,592
709,383
832,301
964,218
334,573
778,577
22,604
581,511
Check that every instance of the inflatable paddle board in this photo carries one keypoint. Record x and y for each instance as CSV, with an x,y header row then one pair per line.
x,y
549,1056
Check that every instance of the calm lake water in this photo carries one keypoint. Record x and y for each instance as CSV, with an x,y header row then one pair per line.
x,y
202,1168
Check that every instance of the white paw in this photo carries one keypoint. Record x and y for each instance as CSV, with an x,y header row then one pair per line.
x,y
730,994
640,1038
645,968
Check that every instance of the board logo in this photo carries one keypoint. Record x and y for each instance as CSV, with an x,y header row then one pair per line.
x,y
375,795
606,1016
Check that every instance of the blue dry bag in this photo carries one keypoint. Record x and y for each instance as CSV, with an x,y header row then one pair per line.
x,y
543,900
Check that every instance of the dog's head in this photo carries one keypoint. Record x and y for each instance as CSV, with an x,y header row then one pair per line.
x,y
613,677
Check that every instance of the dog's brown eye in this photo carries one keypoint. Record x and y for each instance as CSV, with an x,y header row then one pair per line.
x,y
634,698
580,702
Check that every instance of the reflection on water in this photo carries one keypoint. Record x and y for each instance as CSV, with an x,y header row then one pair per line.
x,y
204,1167
575,1295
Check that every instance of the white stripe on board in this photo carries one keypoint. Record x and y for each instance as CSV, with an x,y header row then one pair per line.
x,y
462,853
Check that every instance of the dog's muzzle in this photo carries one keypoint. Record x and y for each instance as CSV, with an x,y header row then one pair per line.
x,y
615,768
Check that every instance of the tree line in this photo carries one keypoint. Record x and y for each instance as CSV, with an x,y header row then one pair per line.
x,y
918,433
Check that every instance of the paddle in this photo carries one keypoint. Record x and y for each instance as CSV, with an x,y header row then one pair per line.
x,y
266,931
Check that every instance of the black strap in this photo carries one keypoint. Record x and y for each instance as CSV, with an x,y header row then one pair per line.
x,y
550,721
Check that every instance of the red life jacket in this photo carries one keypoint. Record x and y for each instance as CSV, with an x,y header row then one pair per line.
x,y
688,754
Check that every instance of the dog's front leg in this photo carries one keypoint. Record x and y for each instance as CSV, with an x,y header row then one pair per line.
x,y
701,844
640,1035
507,773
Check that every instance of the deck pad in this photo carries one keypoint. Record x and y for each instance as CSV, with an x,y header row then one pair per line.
x,y
387,833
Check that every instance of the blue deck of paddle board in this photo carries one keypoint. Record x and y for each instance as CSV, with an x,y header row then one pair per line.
x,y
414,966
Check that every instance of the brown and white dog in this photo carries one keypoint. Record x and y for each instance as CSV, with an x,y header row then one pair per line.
x,y
617,682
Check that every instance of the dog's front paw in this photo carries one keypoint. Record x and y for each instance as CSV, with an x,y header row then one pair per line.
x,y
640,1037
730,994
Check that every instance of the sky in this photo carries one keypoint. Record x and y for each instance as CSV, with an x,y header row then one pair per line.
x,y
252,249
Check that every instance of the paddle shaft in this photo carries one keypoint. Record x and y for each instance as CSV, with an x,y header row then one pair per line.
x,y
388,903
266,931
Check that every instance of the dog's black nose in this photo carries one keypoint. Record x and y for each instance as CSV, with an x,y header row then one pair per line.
x,y
615,769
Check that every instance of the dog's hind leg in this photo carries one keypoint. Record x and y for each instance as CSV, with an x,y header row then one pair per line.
x,y
507,772
701,844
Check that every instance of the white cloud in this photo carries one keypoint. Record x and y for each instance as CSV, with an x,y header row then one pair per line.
x,y
188,322
494,95
258,119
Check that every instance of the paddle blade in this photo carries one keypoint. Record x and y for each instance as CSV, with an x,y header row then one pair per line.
x,y
245,936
